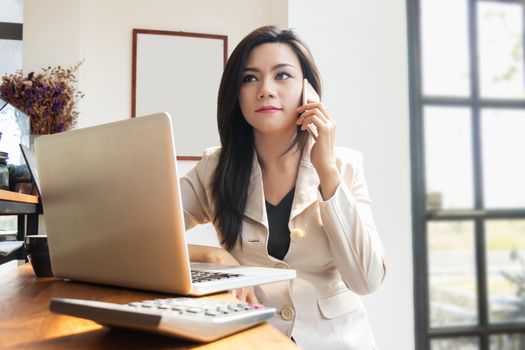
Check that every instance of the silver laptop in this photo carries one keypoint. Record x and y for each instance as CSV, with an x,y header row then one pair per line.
x,y
113,211
30,158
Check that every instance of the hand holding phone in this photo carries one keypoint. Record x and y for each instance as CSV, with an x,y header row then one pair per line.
x,y
309,93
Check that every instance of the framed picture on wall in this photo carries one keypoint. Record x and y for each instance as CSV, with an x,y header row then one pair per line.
x,y
179,73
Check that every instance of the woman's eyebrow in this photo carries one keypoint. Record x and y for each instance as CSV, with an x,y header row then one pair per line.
x,y
277,66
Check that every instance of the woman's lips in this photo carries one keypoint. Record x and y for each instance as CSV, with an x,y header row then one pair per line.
x,y
269,109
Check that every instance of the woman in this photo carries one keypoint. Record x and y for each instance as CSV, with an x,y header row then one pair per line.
x,y
277,198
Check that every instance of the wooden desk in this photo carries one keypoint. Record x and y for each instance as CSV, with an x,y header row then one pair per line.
x,y
27,323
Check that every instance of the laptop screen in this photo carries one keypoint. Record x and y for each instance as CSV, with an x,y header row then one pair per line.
x,y
30,159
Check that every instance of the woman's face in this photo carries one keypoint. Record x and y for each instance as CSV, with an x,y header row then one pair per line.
x,y
271,88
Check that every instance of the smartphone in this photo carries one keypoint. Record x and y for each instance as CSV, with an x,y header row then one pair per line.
x,y
309,93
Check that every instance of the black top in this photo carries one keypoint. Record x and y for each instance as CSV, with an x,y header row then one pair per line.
x,y
278,217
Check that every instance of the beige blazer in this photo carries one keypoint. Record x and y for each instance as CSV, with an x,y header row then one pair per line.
x,y
334,247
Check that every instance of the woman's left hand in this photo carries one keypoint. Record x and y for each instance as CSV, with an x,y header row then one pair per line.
x,y
322,156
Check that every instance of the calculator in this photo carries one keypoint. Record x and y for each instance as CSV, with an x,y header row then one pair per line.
x,y
198,319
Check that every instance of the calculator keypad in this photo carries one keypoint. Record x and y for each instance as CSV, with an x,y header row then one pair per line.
x,y
195,307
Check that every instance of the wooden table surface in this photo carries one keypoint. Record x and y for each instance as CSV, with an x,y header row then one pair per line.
x,y
27,323
18,197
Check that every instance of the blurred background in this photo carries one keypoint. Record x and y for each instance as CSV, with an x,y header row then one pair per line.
x,y
468,120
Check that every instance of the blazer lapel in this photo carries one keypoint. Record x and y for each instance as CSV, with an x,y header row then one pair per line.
x,y
255,206
307,184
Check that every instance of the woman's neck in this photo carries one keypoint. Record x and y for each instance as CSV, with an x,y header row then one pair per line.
x,y
271,149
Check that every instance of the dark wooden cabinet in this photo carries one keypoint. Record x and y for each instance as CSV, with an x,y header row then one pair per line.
x,y
27,208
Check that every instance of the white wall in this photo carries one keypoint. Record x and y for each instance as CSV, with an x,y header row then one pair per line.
x,y
361,52
52,34
99,31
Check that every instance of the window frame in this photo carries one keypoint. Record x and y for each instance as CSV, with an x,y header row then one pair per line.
x,y
420,216
11,31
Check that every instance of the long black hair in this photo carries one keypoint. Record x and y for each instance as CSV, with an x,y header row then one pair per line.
x,y
232,175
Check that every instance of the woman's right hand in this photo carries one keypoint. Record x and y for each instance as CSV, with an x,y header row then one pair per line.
x,y
215,255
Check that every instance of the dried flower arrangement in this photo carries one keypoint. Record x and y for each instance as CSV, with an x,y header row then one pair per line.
x,y
48,98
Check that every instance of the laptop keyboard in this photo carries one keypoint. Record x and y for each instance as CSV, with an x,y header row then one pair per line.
x,y
198,276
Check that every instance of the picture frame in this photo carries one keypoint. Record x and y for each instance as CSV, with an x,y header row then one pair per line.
x,y
179,73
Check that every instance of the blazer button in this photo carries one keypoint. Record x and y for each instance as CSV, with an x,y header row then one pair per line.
x,y
287,313
281,266
296,235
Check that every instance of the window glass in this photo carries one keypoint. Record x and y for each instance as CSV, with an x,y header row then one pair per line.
x,y
505,242
448,158
10,56
456,343
514,341
500,42
12,11
503,162
444,48
452,273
